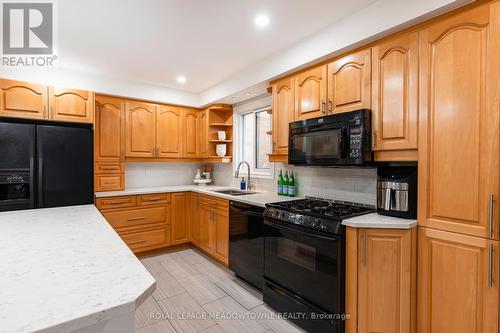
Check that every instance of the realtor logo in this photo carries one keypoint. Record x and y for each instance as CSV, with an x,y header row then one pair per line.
x,y
27,28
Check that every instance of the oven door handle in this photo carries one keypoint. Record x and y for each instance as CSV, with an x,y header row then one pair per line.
x,y
251,213
278,226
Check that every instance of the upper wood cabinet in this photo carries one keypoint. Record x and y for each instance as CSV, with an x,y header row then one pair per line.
x,y
349,83
169,131
190,133
459,123
458,283
71,105
283,105
203,133
395,93
310,93
23,99
179,230
386,292
109,130
140,138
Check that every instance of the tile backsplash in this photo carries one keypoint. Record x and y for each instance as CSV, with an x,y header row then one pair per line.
x,y
349,184
159,174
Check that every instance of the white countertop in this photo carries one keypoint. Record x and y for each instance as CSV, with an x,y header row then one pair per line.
x,y
375,220
65,268
259,199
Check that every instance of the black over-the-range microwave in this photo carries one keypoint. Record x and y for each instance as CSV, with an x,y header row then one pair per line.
x,y
342,139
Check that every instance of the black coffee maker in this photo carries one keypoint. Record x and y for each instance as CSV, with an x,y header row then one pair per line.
x,y
397,191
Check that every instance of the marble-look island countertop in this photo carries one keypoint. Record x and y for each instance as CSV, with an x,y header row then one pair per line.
x,y
375,220
62,269
260,198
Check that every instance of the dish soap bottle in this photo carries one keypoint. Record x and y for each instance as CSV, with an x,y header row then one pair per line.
x,y
291,185
243,184
280,183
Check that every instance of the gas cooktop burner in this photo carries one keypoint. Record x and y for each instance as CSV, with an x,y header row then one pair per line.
x,y
320,214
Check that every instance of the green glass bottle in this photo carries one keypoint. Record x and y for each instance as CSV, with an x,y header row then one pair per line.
x,y
285,183
280,183
291,185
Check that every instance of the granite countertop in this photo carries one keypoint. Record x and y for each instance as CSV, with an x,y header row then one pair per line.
x,y
62,269
261,198
375,220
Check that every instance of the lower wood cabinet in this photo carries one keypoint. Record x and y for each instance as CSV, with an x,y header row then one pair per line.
x,y
214,227
458,283
143,221
381,280
180,220
194,218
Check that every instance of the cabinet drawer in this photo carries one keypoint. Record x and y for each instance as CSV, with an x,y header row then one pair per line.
x,y
213,202
109,168
153,199
115,202
146,240
136,217
109,182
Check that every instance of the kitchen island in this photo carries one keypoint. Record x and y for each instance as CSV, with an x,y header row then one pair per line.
x,y
65,269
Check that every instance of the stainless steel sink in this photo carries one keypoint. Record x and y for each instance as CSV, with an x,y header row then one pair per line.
x,y
235,192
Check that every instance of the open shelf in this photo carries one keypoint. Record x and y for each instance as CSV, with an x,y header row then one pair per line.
x,y
221,141
220,125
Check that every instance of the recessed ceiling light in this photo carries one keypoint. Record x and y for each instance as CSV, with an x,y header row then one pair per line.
x,y
234,98
262,21
249,93
181,79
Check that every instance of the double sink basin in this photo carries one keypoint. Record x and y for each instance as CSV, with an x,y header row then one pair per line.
x,y
235,192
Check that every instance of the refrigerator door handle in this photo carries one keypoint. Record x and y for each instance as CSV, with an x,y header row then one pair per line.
x,y
40,182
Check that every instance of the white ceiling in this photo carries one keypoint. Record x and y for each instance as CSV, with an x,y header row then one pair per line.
x,y
207,41
137,48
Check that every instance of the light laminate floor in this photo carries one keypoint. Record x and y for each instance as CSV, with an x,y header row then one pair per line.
x,y
195,294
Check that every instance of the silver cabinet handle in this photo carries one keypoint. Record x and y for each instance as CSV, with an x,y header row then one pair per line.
x,y
330,106
323,107
363,258
491,214
490,266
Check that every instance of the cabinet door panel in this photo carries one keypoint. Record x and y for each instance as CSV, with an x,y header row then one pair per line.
x,y
71,105
23,99
349,83
140,130
195,219
179,225
109,130
168,131
283,113
203,133
454,291
190,133
386,290
310,93
207,234
395,93
459,133
221,248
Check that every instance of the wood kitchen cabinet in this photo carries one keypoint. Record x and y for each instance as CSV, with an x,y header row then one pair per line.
x,y
459,123
140,125
310,93
194,218
71,105
169,131
190,133
180,221
349,83
381,280
109,130
23,100
203,133
283,112
458,277
395,98
214,227
36,101
142,221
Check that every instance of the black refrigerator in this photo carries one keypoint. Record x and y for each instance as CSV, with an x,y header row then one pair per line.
x,y
45,165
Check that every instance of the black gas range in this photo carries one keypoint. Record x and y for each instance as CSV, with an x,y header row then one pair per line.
x,y
304,260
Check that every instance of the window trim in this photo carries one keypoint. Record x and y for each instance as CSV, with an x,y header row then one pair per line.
x,y
238,146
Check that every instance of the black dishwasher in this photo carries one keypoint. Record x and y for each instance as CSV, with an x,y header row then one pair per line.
x,y
246,242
